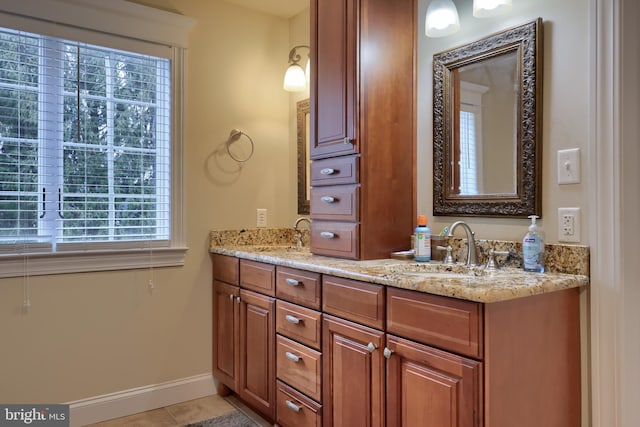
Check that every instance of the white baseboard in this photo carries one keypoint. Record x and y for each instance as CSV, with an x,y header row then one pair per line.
x,y
141,399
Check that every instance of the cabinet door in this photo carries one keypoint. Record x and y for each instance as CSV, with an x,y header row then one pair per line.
x,y
353,374
257,352
226,367
427,387
333,91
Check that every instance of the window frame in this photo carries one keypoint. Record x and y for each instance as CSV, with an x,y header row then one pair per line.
x,y
149,31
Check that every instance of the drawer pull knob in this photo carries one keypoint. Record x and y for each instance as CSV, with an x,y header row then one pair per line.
x,y
387,353
327,235
292,406
346,140
328,199
231,297
238,300
292,357
327,171
371,347
292,319
292,282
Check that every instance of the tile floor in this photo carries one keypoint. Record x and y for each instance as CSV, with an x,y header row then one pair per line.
x,y
184,413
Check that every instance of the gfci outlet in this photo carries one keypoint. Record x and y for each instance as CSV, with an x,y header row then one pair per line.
x,y
569,225
261,220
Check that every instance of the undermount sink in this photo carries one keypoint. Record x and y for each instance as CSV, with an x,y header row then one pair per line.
x,y
416,268
278,248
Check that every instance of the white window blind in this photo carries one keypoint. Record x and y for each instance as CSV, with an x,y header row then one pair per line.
x,y
85,145
468,157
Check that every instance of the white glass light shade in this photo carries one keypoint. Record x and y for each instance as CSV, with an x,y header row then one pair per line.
x,y
487,8
442,19
294,79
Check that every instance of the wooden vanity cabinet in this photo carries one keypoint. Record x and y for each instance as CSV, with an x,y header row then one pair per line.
x,y
430,387
226,321
244,333
362,127
394,357
299,354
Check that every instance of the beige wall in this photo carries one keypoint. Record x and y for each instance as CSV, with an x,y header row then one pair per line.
x,y
565,107
96,333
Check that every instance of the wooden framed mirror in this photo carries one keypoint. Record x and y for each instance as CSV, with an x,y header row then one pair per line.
x,y
487,140
303,129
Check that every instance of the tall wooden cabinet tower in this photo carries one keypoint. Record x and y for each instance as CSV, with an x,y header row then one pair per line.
x,y
362,127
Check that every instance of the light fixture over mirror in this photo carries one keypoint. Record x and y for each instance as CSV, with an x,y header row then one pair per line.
x,y
488,8
442,18
296,78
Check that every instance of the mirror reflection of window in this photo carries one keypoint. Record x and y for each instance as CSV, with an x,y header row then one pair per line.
x,y
471,159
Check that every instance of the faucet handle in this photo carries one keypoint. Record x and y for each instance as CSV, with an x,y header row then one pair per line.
x,y
492,264
448,259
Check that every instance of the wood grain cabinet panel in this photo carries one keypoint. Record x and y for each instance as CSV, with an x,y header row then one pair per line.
x,y
226,334
295,409
334,171
226,268
430,387
337,203
447,323
257,352
298,286
299,323
258,276
339,239
353,374
358,301
299,366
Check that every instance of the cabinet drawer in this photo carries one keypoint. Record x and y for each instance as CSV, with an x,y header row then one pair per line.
x,y
294,409
337,202
298,323
353,300
336,170
448,323
258,276
225,268
299,366
298,286
339,239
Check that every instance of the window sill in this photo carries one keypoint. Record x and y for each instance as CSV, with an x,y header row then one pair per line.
x,y
39,264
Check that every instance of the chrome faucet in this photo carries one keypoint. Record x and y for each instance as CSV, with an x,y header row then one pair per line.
x,y
472,256
298,232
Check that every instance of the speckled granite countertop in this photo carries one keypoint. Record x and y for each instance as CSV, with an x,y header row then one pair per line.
x,y
455,281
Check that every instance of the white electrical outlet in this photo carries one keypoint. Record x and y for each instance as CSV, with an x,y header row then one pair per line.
x,y
569,225
261,218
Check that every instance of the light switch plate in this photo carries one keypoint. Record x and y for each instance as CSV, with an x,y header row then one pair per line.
x,y
569,166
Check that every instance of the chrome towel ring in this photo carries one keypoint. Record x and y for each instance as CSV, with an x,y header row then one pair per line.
x,y
233,137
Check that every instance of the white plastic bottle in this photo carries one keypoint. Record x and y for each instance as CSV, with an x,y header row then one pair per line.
x,y
533,248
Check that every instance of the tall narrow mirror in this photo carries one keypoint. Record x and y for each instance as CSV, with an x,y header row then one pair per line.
x,y
487,128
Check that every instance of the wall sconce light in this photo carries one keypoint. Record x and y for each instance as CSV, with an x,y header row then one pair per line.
x,y
488,8
296,78
442,18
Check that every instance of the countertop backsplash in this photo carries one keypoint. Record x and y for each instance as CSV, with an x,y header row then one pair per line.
x,y
568,259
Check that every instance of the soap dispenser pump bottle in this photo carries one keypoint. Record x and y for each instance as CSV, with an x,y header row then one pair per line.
x,y
533,248
422,243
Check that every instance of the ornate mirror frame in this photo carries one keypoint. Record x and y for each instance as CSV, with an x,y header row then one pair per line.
x,y
526,41
302,111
